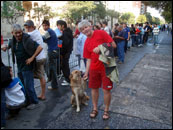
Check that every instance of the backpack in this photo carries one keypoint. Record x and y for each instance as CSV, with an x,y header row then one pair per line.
x,y
15,94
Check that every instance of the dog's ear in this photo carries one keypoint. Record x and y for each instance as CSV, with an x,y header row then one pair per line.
x,y
71,76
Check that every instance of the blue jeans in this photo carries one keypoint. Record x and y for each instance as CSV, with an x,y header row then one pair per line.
x,y
140,38
156,39
137,39
120,50
27,78
52,61
133,39
3,107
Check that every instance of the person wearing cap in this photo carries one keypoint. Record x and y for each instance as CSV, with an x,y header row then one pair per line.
x,y
25,50
40,59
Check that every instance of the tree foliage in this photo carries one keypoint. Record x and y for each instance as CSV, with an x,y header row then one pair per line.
x,y
141,19
128,18
112,14
43,12
99,10
149,17
75,10
11,10
155,20
165,7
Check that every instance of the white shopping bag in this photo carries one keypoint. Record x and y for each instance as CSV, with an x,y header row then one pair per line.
x,y
14,95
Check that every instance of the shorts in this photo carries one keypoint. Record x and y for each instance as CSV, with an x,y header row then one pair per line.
x,y
39,70
98,79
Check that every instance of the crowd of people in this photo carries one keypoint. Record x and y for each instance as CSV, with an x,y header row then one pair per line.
x,y
27,47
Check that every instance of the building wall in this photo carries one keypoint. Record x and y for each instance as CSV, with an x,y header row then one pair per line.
x,y
6,28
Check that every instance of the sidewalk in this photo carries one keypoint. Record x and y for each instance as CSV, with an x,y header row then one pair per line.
x,y
143,100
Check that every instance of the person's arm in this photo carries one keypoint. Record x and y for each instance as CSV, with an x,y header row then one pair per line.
x,y
46,36
38,50
118,37
87,69
128,34
113,44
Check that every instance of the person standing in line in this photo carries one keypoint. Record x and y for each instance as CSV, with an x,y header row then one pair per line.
x,y
26,51
156,34
127,36
115,33
137,34
52,41
132,34
40,59
141,34
106,28
100,26
147,29
59,34
76,34
67,47
120,38
95,68
80,45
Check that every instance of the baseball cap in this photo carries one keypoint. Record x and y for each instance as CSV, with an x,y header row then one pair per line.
x,y
29,23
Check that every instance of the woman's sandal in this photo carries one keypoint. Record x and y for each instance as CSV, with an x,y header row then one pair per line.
x,y
94,113
106,114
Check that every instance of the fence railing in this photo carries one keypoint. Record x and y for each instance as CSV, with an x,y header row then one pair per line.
x,y
73,61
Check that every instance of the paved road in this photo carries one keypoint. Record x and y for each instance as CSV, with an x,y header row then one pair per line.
x,y
143,100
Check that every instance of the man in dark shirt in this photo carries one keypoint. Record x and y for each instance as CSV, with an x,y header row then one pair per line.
x,y
25,50
147,29
67,47
115,32
120,39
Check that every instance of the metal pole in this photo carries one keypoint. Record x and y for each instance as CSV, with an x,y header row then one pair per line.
x,y
8,55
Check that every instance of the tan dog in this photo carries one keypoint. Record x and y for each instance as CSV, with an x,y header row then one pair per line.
x,y
78,86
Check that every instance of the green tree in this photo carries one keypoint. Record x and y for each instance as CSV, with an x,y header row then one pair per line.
x,y
128,18
155,20
75,10
99,10
165,7
11,10
149,17
43,12
141,19
113,14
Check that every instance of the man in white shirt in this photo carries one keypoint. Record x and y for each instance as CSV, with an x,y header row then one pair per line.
x,y
106,28
40,59
156,34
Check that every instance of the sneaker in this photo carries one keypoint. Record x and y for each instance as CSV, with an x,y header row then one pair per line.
x,y
120,62
140,45
65,84
32,106
64,81
50,88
